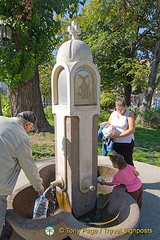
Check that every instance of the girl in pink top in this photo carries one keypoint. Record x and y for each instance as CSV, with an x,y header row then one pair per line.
x,y
127,175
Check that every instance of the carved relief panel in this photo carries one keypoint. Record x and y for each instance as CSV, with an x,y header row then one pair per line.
x,y
84,87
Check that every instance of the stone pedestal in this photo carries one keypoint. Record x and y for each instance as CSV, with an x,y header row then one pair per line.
x,y
76,105
80,202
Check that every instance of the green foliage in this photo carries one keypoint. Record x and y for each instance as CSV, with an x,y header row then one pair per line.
x,y
149,117
5,105
12,67
149,157
103,116
49,115
44,151
147,145
34,35
45,79
107,100
112,31
135,110
42,146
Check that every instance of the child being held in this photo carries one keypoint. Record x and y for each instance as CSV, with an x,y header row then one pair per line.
x,y
108,130
126,175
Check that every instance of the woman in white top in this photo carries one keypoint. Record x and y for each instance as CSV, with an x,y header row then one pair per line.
x,y
123,140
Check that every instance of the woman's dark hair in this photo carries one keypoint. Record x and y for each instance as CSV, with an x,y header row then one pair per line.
x,y
120,101
119,160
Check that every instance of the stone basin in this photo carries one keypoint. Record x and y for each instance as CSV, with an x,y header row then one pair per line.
x,y
121,204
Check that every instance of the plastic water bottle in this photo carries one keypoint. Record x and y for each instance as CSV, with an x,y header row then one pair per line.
x,y
40,207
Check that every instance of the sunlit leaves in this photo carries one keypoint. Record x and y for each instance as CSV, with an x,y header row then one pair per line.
x,y
34,35
120,34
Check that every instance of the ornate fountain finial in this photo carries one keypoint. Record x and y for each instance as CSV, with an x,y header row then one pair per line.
x,y
74,29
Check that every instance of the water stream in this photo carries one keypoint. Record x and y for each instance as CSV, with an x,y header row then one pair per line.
x,y
58,200
53,204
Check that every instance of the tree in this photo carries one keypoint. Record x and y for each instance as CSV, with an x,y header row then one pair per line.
x,y
154,76
120,34
33,39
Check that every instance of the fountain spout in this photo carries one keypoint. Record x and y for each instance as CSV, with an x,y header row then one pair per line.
x,y
58,182
86,185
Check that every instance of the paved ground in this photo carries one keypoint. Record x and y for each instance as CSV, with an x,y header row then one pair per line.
x,y
150,212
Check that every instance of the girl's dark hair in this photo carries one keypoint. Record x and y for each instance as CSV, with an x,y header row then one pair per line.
x,y
119,160
120,101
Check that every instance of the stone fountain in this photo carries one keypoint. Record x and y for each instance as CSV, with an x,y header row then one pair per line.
x,y
76,105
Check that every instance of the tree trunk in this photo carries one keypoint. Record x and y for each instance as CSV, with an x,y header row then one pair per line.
x,y
128,92
152,83
1,105
154,79
27,97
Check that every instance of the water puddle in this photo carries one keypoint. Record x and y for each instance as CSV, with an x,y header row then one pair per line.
x,y
96,218
99,217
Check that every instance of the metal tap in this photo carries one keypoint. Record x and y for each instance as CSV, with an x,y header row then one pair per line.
x,y
58,182
86,185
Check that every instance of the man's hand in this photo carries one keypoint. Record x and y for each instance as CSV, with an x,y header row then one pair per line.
x,y
41,191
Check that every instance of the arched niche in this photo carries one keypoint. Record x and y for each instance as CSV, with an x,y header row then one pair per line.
x,y
62,88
